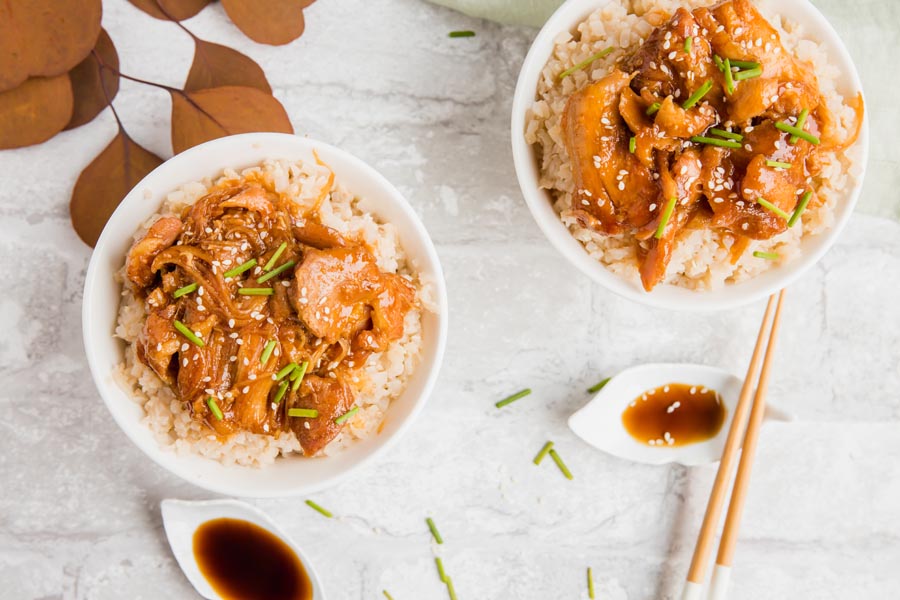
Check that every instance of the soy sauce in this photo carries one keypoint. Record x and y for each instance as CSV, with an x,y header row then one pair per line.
x,y
675,414
243,561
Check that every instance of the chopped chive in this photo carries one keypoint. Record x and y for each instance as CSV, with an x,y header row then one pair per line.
x,y
651,110
461,34
434,531
303,413
772,208
513,398
800,208
778,164
276,272
715,142
586,62
666,215
718,60
744,64
695,97
319,509
590,578
559,463
185,290
297,375
241,268
803,135
729,80
687,44
346,416
727,134
632,144
275,257
748,74
598,386
386,595
450,589
282,388
440,568
801,121
267,352
285,371
214,408
540,455
186,332
767,255
256,291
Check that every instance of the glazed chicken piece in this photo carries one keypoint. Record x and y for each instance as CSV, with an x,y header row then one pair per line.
x,y
158,343
332,398
160,236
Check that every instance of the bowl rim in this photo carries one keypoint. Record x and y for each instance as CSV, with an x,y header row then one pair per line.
x,y
170,460
566,18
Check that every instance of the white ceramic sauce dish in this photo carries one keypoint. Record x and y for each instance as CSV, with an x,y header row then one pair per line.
x,y
566,18
599,422
292,475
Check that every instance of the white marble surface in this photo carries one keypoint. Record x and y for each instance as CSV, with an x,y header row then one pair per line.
x,y
79,514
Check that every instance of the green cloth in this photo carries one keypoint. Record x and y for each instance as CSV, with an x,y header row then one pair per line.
x,y
512,12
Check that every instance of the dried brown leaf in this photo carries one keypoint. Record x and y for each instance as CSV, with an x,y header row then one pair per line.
x,y
216,66
104,182
35,111
205,115
176,9
274,22
45,38
87,88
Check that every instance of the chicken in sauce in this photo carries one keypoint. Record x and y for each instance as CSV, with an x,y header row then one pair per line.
x,y
711,123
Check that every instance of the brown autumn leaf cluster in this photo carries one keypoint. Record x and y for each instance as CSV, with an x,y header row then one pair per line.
x,y
59,70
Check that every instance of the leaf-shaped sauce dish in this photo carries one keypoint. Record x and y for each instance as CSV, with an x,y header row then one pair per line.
x,y
612,420
231,550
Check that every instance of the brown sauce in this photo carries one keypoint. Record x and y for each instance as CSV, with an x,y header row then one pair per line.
x,y
675,414
243,561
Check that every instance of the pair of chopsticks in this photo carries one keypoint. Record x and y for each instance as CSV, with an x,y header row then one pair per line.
x,y
694,586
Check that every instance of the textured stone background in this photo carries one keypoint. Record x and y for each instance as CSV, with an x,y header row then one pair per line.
x,y
79,514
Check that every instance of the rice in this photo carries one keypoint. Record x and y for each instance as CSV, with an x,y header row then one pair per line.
x,y
701,258
382,379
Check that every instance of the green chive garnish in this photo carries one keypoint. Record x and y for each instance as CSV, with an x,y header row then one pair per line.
x,y
687,44
386,595
800,208
715,142
267,352
559,463
801,121
434,531
186,332
440,568
695,97
319,509
284,372
256,291
461,34
297,375
540,455
727,134
772,208
718,60
590,577
778,165
651,110
598,386
632,144
214,408
275,257
185,290
748,74
767,255
282,388
346,416
729,80
744,64
450,589
803,135
276,272
666,215
241,268
513,398
586,62
304,413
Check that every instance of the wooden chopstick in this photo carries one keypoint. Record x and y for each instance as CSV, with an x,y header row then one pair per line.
x,y
694,588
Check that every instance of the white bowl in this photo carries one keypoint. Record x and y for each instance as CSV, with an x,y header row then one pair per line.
x,y
290,475
566,18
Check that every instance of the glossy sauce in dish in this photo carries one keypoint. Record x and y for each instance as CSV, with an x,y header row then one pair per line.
x,y
243,561
675,414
